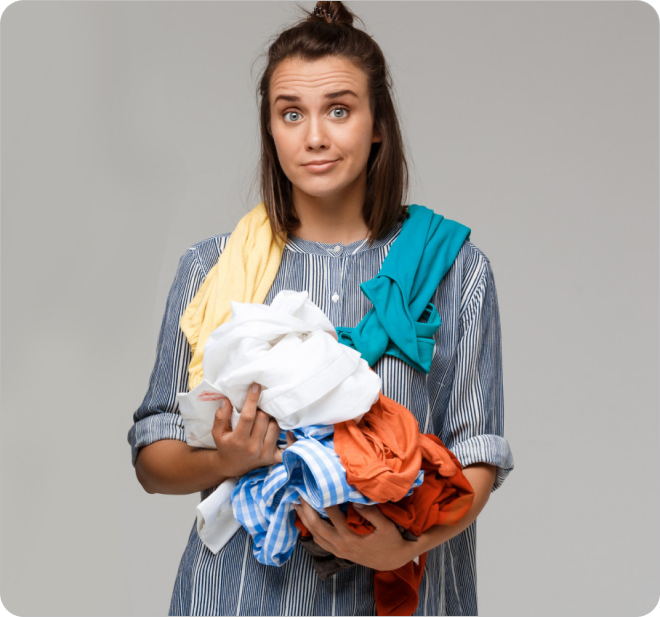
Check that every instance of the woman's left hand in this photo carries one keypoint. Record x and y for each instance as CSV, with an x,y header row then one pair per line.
x,y
383,549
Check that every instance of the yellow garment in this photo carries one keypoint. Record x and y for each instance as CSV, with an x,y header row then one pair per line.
x,y
244,273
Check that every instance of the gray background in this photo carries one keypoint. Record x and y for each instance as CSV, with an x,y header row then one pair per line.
x,y
129,132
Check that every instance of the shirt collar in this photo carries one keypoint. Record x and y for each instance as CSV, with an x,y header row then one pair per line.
x,y
337,249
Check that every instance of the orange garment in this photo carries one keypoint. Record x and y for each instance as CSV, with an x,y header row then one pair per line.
x,y
440,500
382,455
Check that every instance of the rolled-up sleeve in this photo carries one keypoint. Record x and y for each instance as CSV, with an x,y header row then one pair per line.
x,y
158,416
473,428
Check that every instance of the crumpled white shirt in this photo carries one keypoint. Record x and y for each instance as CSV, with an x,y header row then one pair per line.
x,y
307,377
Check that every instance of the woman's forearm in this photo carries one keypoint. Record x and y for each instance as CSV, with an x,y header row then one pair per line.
x,y
481,476
172,467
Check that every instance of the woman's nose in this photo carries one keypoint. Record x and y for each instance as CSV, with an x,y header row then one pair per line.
x,y
316,134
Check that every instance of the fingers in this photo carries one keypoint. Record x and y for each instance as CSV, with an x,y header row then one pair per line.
x,y
269,443
312,518
260,426
337,517
222,420
290,439
257,430
248,413
373,515
322,531
307,514
272,433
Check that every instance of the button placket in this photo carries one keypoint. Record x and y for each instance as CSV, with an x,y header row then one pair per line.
x,y
336,281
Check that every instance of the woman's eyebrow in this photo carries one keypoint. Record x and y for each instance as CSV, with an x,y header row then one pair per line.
x,y
330,95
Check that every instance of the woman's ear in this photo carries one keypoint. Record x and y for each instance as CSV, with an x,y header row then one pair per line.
x,y
377,136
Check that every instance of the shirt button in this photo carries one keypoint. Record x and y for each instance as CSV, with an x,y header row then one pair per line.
x,y
335,297
337,249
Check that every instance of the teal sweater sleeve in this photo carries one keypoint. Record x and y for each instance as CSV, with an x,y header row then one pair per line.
x,y
403,319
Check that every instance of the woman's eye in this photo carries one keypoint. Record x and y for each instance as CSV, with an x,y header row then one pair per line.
x,y
340,109
295,113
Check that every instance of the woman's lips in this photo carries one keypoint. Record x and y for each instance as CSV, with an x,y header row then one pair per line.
x,y
323,167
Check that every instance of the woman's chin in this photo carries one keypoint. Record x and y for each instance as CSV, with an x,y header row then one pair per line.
x,y
325,192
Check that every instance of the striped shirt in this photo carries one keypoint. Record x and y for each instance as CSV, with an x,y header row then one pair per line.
x,y
460,400
263,498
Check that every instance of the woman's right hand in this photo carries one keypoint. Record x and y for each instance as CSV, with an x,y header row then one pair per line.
x,y
252,444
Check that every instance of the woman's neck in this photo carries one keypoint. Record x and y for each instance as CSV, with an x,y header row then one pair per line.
x,y
330,223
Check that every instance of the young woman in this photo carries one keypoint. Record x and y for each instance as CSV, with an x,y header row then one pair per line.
x,y
333,179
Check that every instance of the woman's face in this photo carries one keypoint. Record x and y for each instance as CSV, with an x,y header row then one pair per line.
x,y
320,111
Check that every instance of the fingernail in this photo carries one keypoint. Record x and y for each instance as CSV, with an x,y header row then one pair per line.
x,y
255,388
358,505
222,403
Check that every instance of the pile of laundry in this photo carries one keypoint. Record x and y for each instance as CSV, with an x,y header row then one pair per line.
x,y
354,444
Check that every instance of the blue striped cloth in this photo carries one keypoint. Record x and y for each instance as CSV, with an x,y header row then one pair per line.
x,y
460,400
263,498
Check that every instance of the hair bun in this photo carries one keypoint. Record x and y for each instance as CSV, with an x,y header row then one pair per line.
x,y
331,13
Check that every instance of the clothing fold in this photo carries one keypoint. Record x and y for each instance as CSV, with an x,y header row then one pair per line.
x,y
290,348
285,348
264,498
402,324
444,497
244,273
460,401
309,382
403,321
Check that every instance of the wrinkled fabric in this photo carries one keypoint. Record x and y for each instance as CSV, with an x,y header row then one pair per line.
x,y
440,500
401,323
263,498
307,377
460,401
403,319
381,453
325,563
291,349
216,523
244,273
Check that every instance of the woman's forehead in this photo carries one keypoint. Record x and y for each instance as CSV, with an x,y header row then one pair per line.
x,y
299,78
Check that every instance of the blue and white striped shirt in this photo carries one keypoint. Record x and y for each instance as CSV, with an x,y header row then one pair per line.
x,y
263,498
460,400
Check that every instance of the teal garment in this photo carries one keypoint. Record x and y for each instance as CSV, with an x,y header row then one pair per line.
x,y
401,292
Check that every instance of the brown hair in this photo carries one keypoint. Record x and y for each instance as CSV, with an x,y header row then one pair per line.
x,y
328,31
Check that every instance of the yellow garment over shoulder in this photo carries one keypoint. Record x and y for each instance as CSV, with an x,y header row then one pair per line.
x,y
245,272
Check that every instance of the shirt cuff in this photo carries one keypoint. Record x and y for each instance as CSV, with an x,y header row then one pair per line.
x,y
157,426
491,449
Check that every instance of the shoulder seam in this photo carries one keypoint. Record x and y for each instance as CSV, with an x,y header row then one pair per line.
x,y
475,248
216,241
193,249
